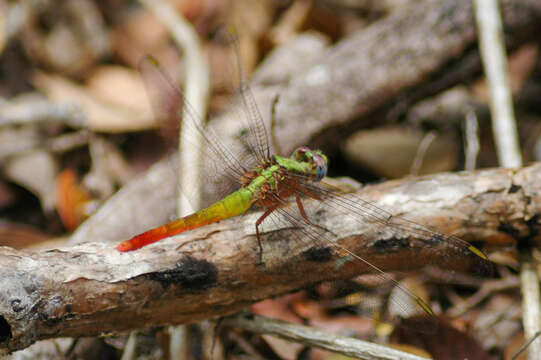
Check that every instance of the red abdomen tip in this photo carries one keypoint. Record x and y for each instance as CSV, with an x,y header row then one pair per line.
x,y
125,246
150,236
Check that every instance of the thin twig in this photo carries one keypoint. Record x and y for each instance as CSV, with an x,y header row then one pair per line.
x,y
246,346
310,336
525,346
488,288
196,89
69,141
129,348
179,342
196,93
29,109
471,140
530,304
491,45
492,50
421,152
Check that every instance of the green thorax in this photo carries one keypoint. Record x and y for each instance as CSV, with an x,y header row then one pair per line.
x,y
271,174
299,167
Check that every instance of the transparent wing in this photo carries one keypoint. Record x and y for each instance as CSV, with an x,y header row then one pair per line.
x,y
383,239
244,108
225,160
399,231
312,242
222,167
395,231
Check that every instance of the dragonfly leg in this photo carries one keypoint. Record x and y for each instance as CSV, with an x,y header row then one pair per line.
x,y
303,212
257,223
310,195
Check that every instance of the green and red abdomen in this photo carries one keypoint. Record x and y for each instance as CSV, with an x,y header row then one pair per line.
x,y
235,204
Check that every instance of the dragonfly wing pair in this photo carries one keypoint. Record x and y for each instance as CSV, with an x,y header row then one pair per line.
x,y
290,191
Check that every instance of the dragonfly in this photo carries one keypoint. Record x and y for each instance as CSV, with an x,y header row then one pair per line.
x,y
278,185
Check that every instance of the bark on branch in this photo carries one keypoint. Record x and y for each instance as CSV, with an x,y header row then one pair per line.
x,y
91,289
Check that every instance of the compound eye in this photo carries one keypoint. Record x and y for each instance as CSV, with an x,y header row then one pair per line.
x,y
321,167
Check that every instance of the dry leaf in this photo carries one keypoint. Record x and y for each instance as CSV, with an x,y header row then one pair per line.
x,y
19,236
71,199
102,115
390,152
36,171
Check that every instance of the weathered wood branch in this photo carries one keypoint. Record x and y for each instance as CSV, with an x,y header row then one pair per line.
x,y
91,289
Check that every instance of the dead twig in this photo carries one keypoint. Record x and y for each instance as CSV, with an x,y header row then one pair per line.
x,y
196,92
29,109
313,337
529,284
492,48
488,288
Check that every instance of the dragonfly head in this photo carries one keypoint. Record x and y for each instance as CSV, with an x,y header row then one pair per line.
x,y
316,158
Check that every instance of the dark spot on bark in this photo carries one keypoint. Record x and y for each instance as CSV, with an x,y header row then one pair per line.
x,y
318,254
16,305
514,188
509,229
5,329
192,274
68,308
70,316
393,244
534,224
529,241
47,321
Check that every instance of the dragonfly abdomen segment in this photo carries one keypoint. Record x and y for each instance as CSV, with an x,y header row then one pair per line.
x,y
230,206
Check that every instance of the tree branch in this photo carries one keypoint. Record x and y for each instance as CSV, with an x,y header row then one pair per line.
x,y
90,289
